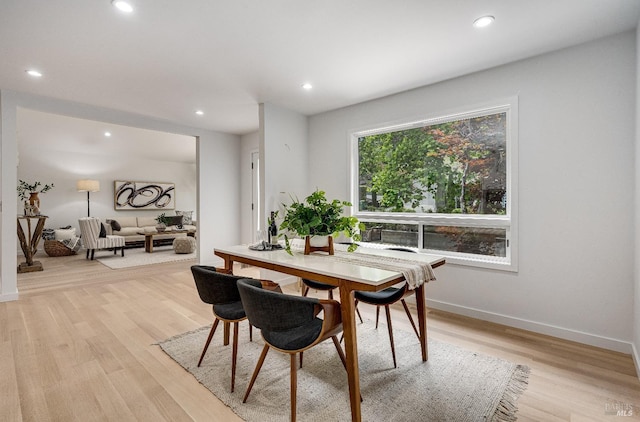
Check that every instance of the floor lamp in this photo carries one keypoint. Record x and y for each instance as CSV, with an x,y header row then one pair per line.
x,y
86,185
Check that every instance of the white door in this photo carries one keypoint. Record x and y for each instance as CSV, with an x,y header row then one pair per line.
x,y
255,195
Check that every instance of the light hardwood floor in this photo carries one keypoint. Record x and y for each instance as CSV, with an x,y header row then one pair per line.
x,y
80,345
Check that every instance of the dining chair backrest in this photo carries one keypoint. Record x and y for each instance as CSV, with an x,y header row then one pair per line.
x,y
273,311
215,288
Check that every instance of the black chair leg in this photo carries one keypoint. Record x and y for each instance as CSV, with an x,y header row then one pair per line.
x,y
93,251
122,251
88,250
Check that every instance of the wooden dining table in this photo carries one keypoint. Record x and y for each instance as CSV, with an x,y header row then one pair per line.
x,y
348,277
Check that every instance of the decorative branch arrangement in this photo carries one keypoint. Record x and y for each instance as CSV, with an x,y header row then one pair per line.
x,y
25,188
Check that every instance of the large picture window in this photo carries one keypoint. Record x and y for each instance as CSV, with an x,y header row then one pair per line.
x,y
442,184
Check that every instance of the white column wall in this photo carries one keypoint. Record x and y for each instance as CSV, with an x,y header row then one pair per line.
x,y
9,199
285,163
636,318
283,150
218,193
576,199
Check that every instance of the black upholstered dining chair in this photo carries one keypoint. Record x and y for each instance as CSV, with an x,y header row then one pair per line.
x,y
317,285
311,284
221,291
388,297
289,324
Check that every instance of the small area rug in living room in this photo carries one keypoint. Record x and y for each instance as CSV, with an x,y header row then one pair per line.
x,y
453,385
137,256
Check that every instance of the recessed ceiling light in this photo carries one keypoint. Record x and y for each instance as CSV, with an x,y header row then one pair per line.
x,y
122,5
307,86
199,112
483,21
107,134
34,73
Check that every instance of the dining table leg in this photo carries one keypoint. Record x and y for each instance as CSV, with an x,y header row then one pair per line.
x,y
422,320
351,348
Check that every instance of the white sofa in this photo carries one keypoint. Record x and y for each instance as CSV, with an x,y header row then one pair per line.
x,y
130,228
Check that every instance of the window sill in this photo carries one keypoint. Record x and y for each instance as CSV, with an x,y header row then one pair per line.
x,y
500,264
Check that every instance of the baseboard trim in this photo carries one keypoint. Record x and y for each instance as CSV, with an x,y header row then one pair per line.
x,y
636,359
8,297
537,327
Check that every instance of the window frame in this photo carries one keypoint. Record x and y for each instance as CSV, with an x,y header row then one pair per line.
x,y
508,221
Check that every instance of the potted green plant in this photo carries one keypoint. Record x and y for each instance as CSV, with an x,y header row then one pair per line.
x,y
163,222
317,216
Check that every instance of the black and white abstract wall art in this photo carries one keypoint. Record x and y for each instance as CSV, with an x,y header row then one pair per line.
x,y
144,195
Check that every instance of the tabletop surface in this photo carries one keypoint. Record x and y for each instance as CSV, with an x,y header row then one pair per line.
x,y
320,263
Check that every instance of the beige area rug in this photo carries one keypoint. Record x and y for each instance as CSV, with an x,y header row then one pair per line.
x,y
137,256
453,385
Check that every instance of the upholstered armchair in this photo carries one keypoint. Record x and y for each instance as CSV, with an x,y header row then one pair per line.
x,y
91,240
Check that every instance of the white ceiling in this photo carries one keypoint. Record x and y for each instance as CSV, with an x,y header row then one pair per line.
x,y
169,58
51,134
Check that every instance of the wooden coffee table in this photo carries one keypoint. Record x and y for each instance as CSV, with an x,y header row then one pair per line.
x,y
148,237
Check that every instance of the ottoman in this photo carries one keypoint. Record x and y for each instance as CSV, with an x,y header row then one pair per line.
x,y
185,244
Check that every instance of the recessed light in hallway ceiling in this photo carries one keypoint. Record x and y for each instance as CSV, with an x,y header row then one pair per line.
x,y
123,6
34,73
483,21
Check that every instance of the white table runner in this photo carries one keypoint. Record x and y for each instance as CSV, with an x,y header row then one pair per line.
x,y
416,273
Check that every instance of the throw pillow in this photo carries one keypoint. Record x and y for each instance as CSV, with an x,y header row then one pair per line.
x,y
175,220
115,225
63,234
187,217
103,230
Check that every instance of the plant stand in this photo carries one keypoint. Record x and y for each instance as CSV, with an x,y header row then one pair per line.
x,y
29,243
309,249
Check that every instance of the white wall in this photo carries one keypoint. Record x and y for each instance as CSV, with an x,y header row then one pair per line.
x,y
217,176
636,318
576,201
